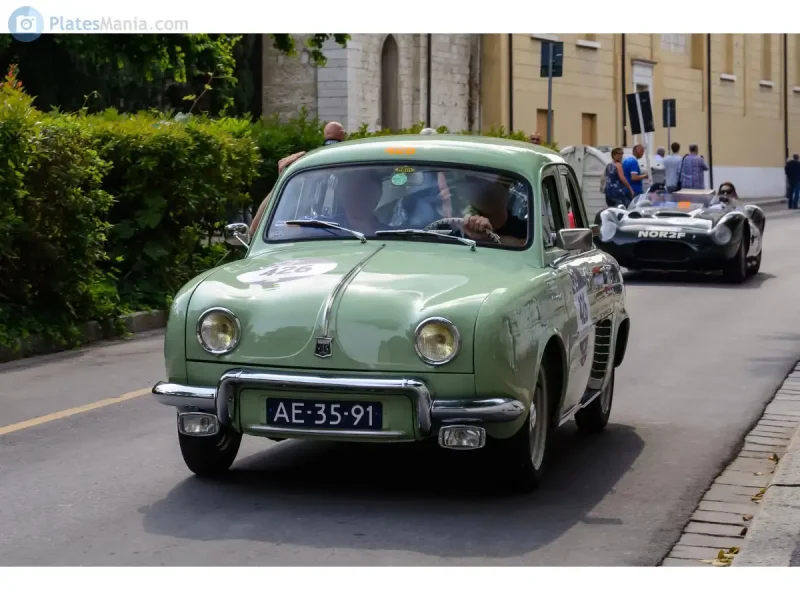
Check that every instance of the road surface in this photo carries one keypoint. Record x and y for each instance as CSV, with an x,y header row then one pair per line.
x,y
104,484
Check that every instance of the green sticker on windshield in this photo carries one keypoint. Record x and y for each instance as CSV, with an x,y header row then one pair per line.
x,y
399,178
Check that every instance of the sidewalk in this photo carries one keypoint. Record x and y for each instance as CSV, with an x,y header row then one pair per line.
x,y
750,516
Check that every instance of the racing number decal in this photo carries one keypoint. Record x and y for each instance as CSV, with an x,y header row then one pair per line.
x,y
288,270
580,289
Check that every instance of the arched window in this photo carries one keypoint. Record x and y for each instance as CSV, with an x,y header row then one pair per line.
x,y
390,85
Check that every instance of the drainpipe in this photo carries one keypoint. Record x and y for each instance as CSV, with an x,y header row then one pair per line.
x,y
428,83
624,100
785,96
708,110
510,82
479,75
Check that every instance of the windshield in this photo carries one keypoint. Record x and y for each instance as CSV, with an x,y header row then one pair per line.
x,y
688,200
389,199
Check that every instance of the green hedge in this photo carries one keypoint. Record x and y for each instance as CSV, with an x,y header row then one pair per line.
x,y
103,214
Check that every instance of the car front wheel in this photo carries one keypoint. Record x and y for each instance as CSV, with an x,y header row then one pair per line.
x,y
210,456
525,454
735,271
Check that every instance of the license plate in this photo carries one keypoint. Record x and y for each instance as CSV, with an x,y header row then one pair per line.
x,y
283,412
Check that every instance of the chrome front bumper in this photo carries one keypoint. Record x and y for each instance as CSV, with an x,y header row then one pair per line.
x,y
446,411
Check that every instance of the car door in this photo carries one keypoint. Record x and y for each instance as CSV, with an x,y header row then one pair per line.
x,y
564,286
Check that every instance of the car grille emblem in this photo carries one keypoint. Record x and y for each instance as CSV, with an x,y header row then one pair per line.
x,y
323,348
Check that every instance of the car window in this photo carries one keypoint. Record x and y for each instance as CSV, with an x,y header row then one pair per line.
x,y
573,198
552,219
376,198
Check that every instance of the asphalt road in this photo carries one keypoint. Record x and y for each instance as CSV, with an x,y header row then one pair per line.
x,y
107,486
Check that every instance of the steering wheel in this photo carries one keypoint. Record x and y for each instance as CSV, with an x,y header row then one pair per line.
x,y
458,223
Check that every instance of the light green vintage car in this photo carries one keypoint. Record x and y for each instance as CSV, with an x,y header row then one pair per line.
x,y
402,289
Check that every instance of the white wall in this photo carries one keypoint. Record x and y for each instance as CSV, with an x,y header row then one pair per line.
x,y
753,182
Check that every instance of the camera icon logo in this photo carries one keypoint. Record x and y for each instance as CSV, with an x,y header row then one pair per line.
x,y
26,24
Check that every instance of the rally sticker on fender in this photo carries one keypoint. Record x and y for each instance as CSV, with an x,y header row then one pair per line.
x,y
580,289
288,270
670,235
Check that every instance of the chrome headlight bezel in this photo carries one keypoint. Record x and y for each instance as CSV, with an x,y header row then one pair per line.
x,y
237,329
454,332
722,234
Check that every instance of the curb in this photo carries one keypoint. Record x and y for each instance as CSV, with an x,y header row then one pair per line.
x,y
751,513
93,331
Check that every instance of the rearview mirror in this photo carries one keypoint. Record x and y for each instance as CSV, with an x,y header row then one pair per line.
x,y
237,234
575,239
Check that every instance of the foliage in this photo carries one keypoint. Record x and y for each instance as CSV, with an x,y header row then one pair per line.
x,y
53,223
285,43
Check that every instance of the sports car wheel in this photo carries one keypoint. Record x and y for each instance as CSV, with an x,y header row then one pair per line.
x,y
210,456
736,269
525,454
594,418
755,266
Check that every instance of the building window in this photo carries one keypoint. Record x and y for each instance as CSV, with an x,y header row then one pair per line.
x,y
766,57
674,42
698,47
589,129
390,88
541,123
729,53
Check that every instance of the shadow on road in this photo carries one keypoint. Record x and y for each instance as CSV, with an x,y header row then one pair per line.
x,y
688,279
397,497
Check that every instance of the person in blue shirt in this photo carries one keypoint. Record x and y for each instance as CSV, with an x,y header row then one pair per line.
x,y
633,172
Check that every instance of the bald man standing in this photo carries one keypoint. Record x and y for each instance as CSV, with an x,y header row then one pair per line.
x,y
333,133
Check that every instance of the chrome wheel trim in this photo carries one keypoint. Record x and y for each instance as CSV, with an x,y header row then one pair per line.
x,y
537,432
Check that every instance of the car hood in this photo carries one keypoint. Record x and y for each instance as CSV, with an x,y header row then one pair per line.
x,y
696,220
281,298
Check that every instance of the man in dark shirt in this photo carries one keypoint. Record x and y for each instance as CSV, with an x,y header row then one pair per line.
x,y
493,216
792,170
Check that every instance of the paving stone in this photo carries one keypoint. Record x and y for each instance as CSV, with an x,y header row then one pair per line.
x,y
708,516
737,478
774,435
786,397
694,553
679,562
782,407
758,454
762,441
761,448
736,508
752,465
790,425
716,529
710,541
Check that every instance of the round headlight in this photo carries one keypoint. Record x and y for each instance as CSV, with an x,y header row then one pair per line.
x,y
218,331
436,341
722,234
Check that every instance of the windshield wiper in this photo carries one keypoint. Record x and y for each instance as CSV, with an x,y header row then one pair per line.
x,y
328,225
422,232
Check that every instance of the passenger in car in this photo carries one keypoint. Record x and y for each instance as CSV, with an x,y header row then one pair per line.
x,y
490,213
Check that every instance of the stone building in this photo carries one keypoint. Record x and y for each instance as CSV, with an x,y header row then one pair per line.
x,y
384,80
745,99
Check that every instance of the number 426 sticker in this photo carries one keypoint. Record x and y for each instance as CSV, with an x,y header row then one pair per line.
x,y
582,307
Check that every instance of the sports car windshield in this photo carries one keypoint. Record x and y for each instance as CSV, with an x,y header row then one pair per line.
x,y
398,201
683,201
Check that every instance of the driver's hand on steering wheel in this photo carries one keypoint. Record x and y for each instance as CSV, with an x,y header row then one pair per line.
x,y
476,227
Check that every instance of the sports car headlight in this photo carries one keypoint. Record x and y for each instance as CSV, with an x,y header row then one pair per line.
x,y
722,234
218,331
436,341
607,230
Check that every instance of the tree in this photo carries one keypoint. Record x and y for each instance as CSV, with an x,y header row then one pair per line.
x,y
135,72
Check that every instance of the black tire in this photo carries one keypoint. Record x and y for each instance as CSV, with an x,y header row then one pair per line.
x,y
210,456
525,455
594,418
755,267
736,269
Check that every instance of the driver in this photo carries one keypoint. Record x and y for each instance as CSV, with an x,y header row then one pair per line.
x,y
491,206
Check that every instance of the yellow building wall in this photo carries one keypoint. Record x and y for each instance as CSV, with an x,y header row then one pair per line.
x,y
747,114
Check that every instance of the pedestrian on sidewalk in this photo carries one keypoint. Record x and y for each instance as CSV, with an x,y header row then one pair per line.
x,y
792,170
616,186
634,174
535,138
333,133
693,170
672,168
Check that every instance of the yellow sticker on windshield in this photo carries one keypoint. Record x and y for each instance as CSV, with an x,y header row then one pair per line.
x,y
401,150
404,170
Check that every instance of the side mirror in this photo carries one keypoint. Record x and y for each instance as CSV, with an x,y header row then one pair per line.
x,y
238,234
575,239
